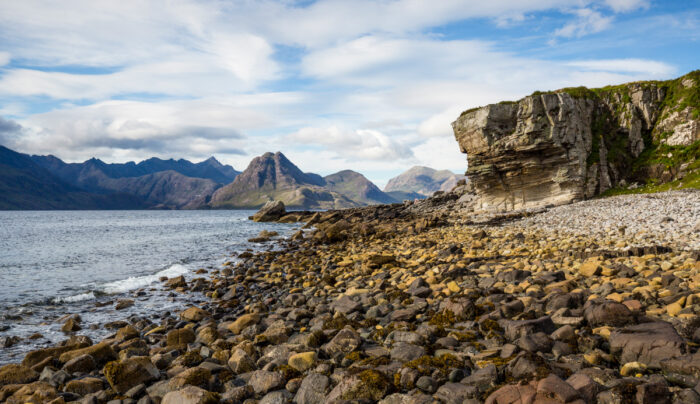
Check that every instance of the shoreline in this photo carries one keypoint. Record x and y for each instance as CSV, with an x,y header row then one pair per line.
x,y
409,304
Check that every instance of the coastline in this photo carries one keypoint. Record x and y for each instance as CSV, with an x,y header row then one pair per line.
x,y
415,302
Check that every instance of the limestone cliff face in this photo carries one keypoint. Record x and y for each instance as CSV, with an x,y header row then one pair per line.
x,y
558,147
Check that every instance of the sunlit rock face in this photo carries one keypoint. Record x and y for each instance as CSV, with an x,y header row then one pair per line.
x,y
559,147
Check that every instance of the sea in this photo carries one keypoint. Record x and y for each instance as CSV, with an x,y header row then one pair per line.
x,y
59,263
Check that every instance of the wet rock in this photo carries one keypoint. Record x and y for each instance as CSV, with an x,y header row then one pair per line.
x,y
125,374
123,304
513,394
176,282
126,333
648,343
71,325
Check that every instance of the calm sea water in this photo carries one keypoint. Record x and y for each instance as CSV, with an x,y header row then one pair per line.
x,y
54,263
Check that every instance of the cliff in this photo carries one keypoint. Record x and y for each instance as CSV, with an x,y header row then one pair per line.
x,y
558,147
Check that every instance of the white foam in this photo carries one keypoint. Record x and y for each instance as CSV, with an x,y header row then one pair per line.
x,y
135,282
75,298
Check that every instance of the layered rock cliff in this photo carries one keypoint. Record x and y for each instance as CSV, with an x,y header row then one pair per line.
x,y
558,147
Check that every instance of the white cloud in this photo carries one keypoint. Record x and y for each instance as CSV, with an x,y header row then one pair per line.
x,y
650,68
441,154
363,144
4,58
588,21
621,6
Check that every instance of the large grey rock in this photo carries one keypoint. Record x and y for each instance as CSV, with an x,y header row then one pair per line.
x,y
648,343
190,395
263,381
312,390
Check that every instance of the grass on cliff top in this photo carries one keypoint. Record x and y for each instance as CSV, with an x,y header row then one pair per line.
x,y
690,181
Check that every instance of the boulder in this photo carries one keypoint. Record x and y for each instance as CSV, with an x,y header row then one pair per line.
x,y
197,376
17,374
124,374
302,361
180,337
648,343
82,364
190,395
194,314
101,353
602,312
367,385
263,381
240,362
456,393
313,389
243,322
84,386
344,342
271,211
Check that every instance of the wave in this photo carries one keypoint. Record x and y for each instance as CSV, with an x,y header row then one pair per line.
x,y
124,285
75,298
135,282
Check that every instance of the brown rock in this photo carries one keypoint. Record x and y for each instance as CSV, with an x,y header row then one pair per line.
x,y
243,321
17,374
194,314
127,373
180,337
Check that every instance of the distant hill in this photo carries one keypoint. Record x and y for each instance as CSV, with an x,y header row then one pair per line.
x,y
169,184
274,177
79,172
357,187
47,182
28,186
423,181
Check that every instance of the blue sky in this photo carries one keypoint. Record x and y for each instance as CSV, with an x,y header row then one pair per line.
x,y
366,85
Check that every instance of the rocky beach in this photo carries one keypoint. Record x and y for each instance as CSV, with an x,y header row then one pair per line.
x,y
419,302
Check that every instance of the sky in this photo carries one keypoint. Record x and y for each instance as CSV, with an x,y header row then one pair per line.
x,y
337,84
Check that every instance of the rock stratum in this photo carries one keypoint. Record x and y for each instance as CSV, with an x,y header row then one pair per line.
x,y
572,144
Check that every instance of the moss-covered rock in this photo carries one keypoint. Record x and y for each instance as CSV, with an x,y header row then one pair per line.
x,y
125,374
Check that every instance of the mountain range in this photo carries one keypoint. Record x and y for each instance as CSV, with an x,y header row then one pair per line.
x,y
47,182
423,181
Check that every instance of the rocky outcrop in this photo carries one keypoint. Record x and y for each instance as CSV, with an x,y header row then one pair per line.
x,y
563,146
